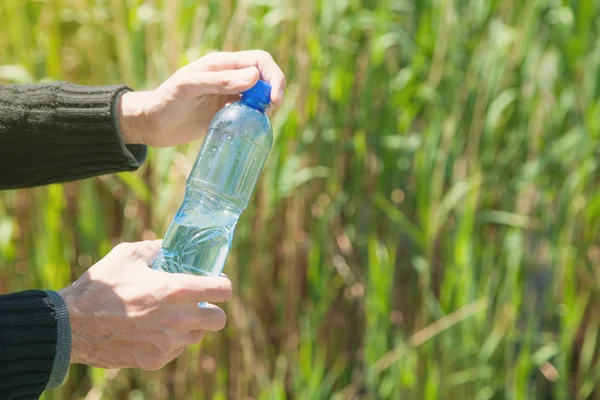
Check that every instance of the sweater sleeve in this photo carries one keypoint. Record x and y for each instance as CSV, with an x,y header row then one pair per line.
x,y
61,132
28,343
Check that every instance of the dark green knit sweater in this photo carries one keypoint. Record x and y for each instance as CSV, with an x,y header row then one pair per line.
x,y
51,133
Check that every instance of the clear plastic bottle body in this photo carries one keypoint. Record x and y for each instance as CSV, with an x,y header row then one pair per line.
x,y
218,190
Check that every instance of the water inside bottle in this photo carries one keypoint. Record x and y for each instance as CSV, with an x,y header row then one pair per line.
x,y
198,239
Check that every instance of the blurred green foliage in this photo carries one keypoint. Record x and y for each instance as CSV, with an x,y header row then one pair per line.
x,y
426,226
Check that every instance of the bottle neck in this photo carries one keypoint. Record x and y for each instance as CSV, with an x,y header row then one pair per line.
x,y
255,103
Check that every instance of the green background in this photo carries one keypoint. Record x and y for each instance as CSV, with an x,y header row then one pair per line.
x,y
427,223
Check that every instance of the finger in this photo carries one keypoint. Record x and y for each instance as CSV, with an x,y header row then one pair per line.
x,y
194,337
214,289
227,82
210,318
173,355
269,70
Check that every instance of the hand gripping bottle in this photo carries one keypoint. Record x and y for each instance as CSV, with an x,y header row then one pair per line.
x,y
219,187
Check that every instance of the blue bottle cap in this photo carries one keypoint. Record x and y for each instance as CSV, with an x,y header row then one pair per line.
x,y
261,92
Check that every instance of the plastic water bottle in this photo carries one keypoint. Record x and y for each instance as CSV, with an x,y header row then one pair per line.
x,y
219,187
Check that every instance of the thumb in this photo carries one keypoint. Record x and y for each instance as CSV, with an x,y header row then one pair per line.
x,y
226,82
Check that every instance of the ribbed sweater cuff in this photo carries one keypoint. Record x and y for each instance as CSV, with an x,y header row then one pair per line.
x,y
91,112
63,341
28,338
139,152
61,132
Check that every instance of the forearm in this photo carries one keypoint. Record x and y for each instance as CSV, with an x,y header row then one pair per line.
x,y
35,343
60,132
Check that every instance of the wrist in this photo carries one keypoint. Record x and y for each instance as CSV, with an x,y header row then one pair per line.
x,y
130,117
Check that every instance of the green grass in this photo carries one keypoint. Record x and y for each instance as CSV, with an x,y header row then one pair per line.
x,y
426,226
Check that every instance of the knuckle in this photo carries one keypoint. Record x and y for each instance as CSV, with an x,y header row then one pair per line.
x,y
123,247
181,84
210,60
136,253
224,80
177,293
176,319
168,344
163,344
264,54
152,364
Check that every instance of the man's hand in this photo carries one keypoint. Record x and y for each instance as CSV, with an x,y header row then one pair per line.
x,y
181,109
124,314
